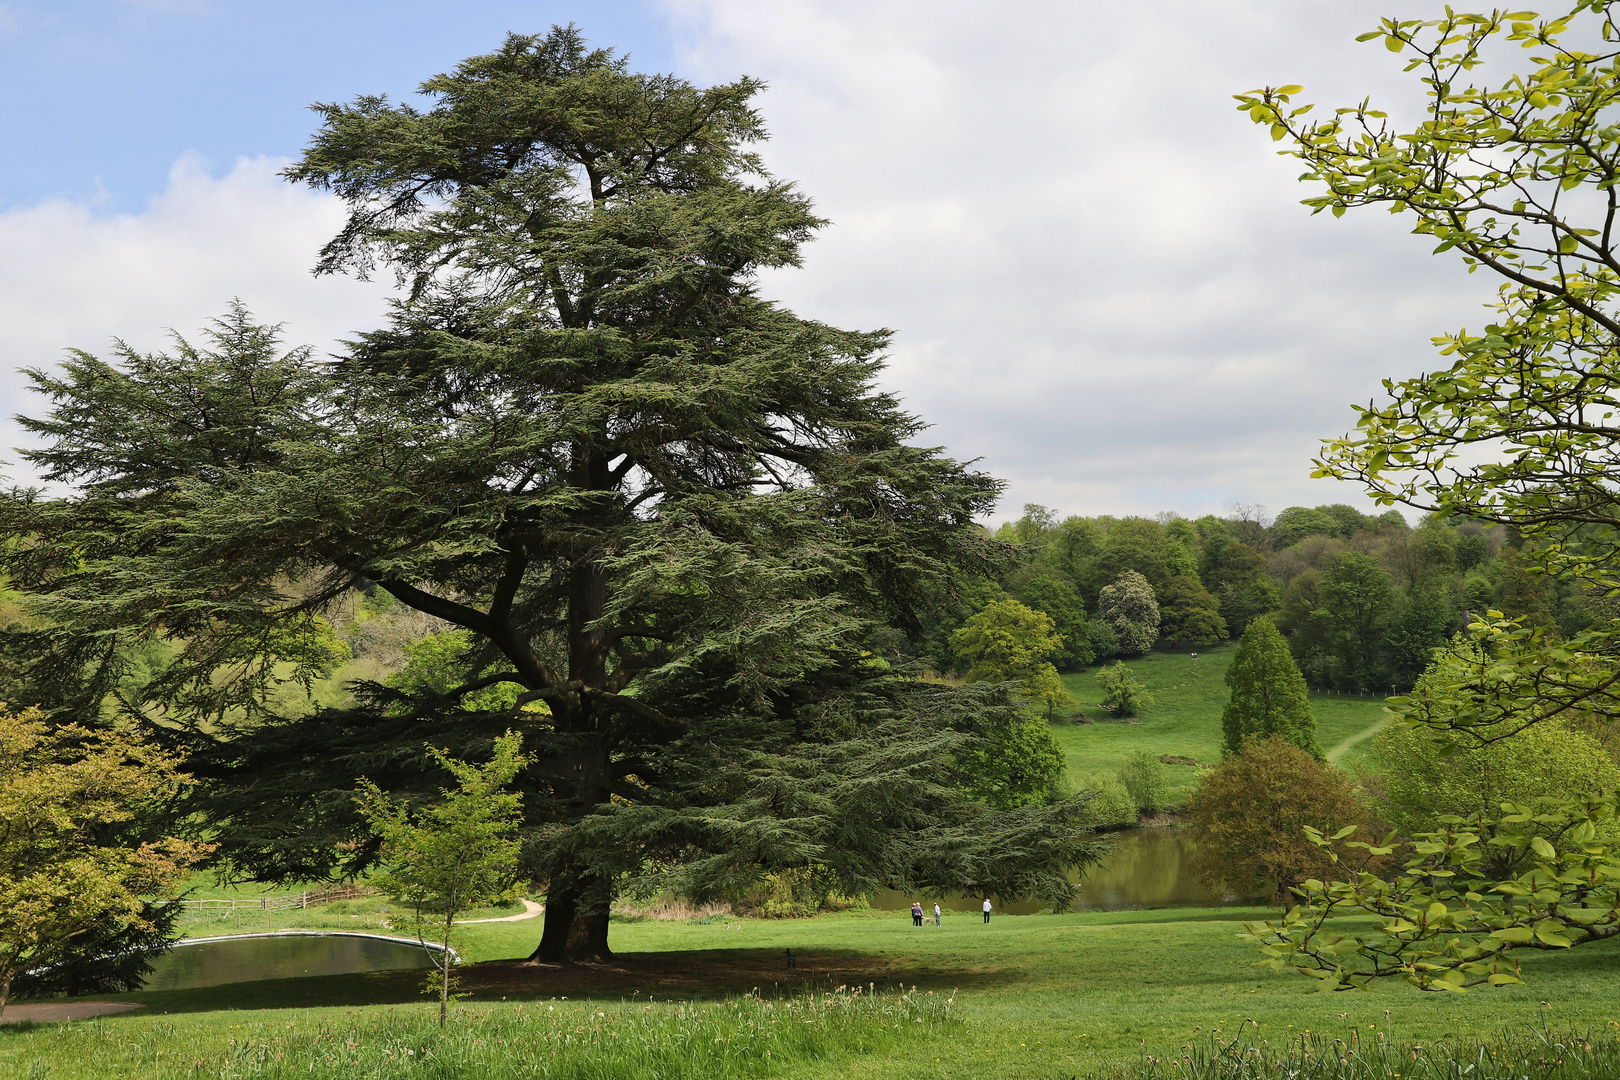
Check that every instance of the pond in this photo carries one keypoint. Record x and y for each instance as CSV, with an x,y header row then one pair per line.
x,y
1147,868
250,957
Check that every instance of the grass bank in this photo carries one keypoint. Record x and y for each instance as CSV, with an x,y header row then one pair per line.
x,y
1085,994
747,1036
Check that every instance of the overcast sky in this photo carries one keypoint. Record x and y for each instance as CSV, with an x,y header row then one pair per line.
x,y
1101,280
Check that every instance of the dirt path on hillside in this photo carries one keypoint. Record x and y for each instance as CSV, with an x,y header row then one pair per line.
x,y
1360,736
530,910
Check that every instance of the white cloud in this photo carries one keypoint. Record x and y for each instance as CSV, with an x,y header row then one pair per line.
x,y
1102,280
72,277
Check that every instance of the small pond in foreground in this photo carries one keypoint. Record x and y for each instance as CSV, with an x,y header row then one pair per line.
x,y
1147,868
214,961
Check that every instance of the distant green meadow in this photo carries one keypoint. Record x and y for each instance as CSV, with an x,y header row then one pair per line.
x,y
1185,718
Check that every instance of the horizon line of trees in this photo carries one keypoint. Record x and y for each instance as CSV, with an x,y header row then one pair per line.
x,y
1361,600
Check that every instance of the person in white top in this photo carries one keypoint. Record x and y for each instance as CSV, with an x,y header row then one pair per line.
x,y
987,909
936,914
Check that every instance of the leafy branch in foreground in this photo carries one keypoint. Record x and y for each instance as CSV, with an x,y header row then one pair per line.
x,y
1517,173
1505,676
1444,922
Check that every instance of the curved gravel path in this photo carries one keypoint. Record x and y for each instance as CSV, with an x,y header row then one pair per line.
x,y
530,910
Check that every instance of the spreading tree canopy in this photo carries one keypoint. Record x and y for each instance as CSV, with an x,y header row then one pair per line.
x,y
1250,814
1010,641
665,511
1189,613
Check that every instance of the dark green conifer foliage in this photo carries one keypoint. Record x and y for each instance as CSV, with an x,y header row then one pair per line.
x,y
1268,693
667,508
1189,614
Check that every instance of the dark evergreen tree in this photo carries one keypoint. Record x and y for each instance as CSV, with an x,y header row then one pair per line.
x,y
1356,602
1236,574
1242,604
1268,693
1189,614
1421,626
670,513
1472,550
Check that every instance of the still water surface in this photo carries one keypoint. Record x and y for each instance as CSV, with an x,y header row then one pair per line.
x,y
1147,868
279,956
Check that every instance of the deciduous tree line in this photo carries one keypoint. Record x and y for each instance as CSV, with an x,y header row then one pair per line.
x,y
1361,600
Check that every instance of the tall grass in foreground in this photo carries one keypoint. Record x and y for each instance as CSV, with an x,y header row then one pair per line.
x,y
1535,1054
559,1040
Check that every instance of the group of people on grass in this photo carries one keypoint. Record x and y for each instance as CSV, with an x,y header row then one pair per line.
x,y
918,918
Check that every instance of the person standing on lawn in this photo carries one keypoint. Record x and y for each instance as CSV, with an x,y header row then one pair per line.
x,y
916,913
936,913
987,909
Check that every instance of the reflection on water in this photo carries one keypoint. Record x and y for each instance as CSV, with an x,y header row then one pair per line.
x,y
278,956
1146,868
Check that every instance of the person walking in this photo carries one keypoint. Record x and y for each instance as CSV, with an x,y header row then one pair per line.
x,y
987,909
916,913
936,913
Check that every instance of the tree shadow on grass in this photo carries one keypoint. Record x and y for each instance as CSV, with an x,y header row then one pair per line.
x,y
688,975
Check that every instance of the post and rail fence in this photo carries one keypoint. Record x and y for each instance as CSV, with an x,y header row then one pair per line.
x,y
297,901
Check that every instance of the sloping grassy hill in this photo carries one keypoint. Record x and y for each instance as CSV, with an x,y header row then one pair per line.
x,y
1185,717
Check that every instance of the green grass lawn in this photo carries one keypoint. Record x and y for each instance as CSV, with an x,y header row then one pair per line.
x,y
1185,718
1038,996
1078,995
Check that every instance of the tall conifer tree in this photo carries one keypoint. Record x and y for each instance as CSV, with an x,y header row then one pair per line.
x,y
665,509
1268,693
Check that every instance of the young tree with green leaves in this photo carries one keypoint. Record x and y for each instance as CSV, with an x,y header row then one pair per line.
x,y
1008,641
1020,766
458,852
65,875
1123,693
1268,695
669,509
1144,777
